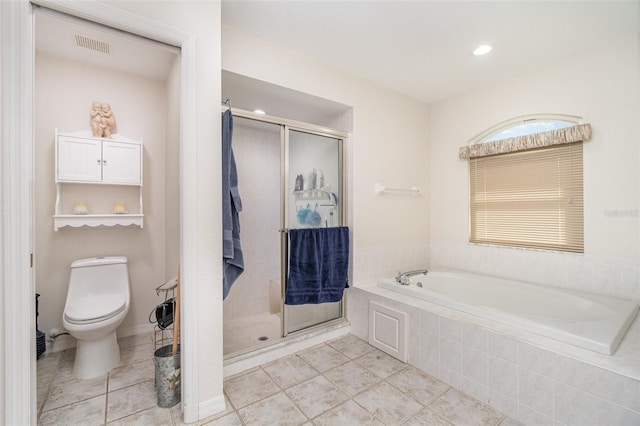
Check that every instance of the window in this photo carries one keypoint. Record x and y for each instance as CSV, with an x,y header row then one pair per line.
x,y
527,128
527,191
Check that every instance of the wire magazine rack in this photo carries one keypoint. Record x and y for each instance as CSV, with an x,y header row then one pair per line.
x,y
162,332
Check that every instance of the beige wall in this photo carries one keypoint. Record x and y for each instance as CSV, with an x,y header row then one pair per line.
x,y
64,91
390,145
202,19
601,86
172,172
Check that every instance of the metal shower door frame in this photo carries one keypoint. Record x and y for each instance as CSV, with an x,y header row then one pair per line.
x,y
287,125
285,131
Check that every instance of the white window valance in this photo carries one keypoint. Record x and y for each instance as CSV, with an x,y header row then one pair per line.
x,y
580,132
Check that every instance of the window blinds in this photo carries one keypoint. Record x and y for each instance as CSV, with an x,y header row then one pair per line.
x,y
530,198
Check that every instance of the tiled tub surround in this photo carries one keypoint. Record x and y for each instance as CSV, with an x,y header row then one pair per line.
x,y
373,262
587,320
592,274
535,380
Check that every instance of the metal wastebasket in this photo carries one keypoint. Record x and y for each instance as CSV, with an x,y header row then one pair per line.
x,y
167,376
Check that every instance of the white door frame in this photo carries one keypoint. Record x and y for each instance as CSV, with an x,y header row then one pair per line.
x,y
18,322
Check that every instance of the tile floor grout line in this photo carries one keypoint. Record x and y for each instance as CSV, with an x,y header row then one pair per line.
x,y
140,410
284,391
406,366
73,402
224,393
46,394
439,417
257,400
500,421
296,405
106,399
403,393
350,397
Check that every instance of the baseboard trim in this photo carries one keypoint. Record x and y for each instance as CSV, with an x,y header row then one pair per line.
x,y
62,343
65,342
213,406
135,330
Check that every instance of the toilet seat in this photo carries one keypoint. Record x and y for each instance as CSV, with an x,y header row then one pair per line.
x,y
92,309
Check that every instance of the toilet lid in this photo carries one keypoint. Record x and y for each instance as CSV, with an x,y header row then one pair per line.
x,y
94,308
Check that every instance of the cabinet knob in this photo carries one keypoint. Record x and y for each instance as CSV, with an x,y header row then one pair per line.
x,y
104,162
98,160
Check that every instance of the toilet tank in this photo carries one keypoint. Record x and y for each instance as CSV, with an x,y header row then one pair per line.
x,y
99,275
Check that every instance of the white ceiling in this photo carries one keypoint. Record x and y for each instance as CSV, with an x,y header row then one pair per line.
x,y
55,34
423,48
420,48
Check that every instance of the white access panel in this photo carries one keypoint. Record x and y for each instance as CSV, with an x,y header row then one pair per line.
x,y
387,330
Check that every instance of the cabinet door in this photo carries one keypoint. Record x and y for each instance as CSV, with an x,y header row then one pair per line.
x,y
79,160
121,163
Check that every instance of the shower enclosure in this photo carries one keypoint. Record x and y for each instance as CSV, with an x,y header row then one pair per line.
x,y
291,175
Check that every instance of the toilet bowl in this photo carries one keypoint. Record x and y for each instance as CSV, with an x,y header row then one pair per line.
x,y
97,303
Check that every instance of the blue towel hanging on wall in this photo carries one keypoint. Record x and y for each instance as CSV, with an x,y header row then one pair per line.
x,y
318,265
231,206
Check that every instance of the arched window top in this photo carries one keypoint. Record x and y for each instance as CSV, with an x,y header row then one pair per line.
x,y
527,132
527,128
526,125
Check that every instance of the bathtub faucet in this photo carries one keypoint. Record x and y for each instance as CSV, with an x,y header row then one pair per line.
x,y
403,277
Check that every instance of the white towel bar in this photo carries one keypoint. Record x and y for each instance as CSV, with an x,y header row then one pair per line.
x,y
381,189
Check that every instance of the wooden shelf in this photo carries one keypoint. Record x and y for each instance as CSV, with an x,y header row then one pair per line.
x,y
96,220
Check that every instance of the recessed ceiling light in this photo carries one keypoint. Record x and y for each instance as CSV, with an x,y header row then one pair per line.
x,y
259,111
483,49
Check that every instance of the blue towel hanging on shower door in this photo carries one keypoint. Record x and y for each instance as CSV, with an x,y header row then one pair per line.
x,y
231,206
318,265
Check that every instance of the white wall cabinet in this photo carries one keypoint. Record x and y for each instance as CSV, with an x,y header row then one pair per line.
x,y
95,160
89,165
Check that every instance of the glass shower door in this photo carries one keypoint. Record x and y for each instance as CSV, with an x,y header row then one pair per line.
x,y
252,310
314,198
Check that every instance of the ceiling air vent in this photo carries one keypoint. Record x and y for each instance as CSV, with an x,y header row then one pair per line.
x,y
93,44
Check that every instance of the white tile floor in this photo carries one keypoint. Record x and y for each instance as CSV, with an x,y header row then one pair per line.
x,y
343,382
126,395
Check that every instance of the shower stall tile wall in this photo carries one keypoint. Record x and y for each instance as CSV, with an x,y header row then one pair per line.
x,y
527,380
257,152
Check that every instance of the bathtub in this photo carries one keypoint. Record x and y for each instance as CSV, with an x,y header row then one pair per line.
x,y
589,321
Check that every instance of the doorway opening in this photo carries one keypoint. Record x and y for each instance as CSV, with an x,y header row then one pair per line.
x,y
18,111
76,64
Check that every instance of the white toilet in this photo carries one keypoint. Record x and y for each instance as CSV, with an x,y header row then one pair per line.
x,y
97,302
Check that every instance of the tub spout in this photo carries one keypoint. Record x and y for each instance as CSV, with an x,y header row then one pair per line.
x,y
403,277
